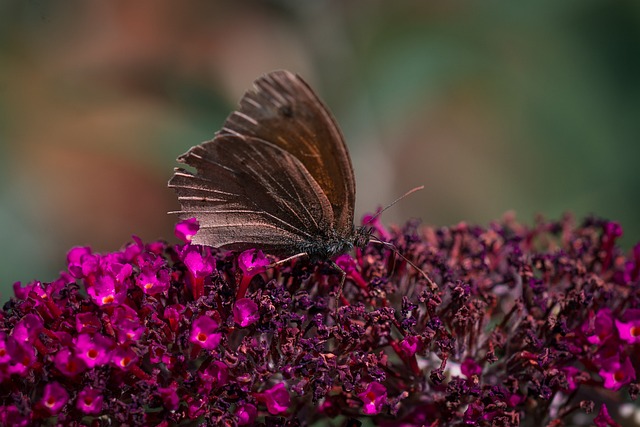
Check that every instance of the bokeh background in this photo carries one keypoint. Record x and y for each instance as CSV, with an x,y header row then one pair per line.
x,y
494,106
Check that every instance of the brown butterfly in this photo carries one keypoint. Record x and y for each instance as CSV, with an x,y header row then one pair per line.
x,y
276,177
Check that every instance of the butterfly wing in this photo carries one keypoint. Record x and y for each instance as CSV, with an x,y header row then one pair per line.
x,y
248,192
284,110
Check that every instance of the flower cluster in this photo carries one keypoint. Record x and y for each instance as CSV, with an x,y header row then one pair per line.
x,y
517,326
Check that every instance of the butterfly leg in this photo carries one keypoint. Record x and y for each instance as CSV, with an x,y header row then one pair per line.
x,y
343,277
286,260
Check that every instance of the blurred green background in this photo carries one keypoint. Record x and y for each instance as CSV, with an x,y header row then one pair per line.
x,y
494,106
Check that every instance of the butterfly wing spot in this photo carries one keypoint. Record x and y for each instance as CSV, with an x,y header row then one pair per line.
x,y
286,111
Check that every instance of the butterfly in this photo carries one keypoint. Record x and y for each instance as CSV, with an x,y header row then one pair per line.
x,y
277,177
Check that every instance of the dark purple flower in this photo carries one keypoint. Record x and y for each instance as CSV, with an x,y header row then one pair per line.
x,y
600,327
215,375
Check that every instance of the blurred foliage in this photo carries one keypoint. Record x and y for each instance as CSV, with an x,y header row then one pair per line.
x,y
494,106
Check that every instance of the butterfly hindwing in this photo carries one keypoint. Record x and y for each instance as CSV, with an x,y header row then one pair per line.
x,y
248,192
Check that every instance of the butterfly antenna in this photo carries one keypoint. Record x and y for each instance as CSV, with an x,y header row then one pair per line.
x,y
377,214
391,246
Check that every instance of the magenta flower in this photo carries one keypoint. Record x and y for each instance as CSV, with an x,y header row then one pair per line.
x,y
203,333
373,397
246,414
197,264
54,397
127,324
245,312
276,398
68,363
79,263
629,327
617,374
153,281
11,416
93,349
90,401
251,262
169,396
106,291
215,375
601,328
470,367
604,419
88,323
185,230
27,329
410,345
123,357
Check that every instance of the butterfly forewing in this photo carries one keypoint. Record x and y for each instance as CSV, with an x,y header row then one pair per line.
x,y
283,110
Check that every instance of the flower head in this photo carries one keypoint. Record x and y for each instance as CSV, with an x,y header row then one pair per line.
x,y
519,326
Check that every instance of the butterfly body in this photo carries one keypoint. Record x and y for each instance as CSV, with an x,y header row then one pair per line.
x,y
276,177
